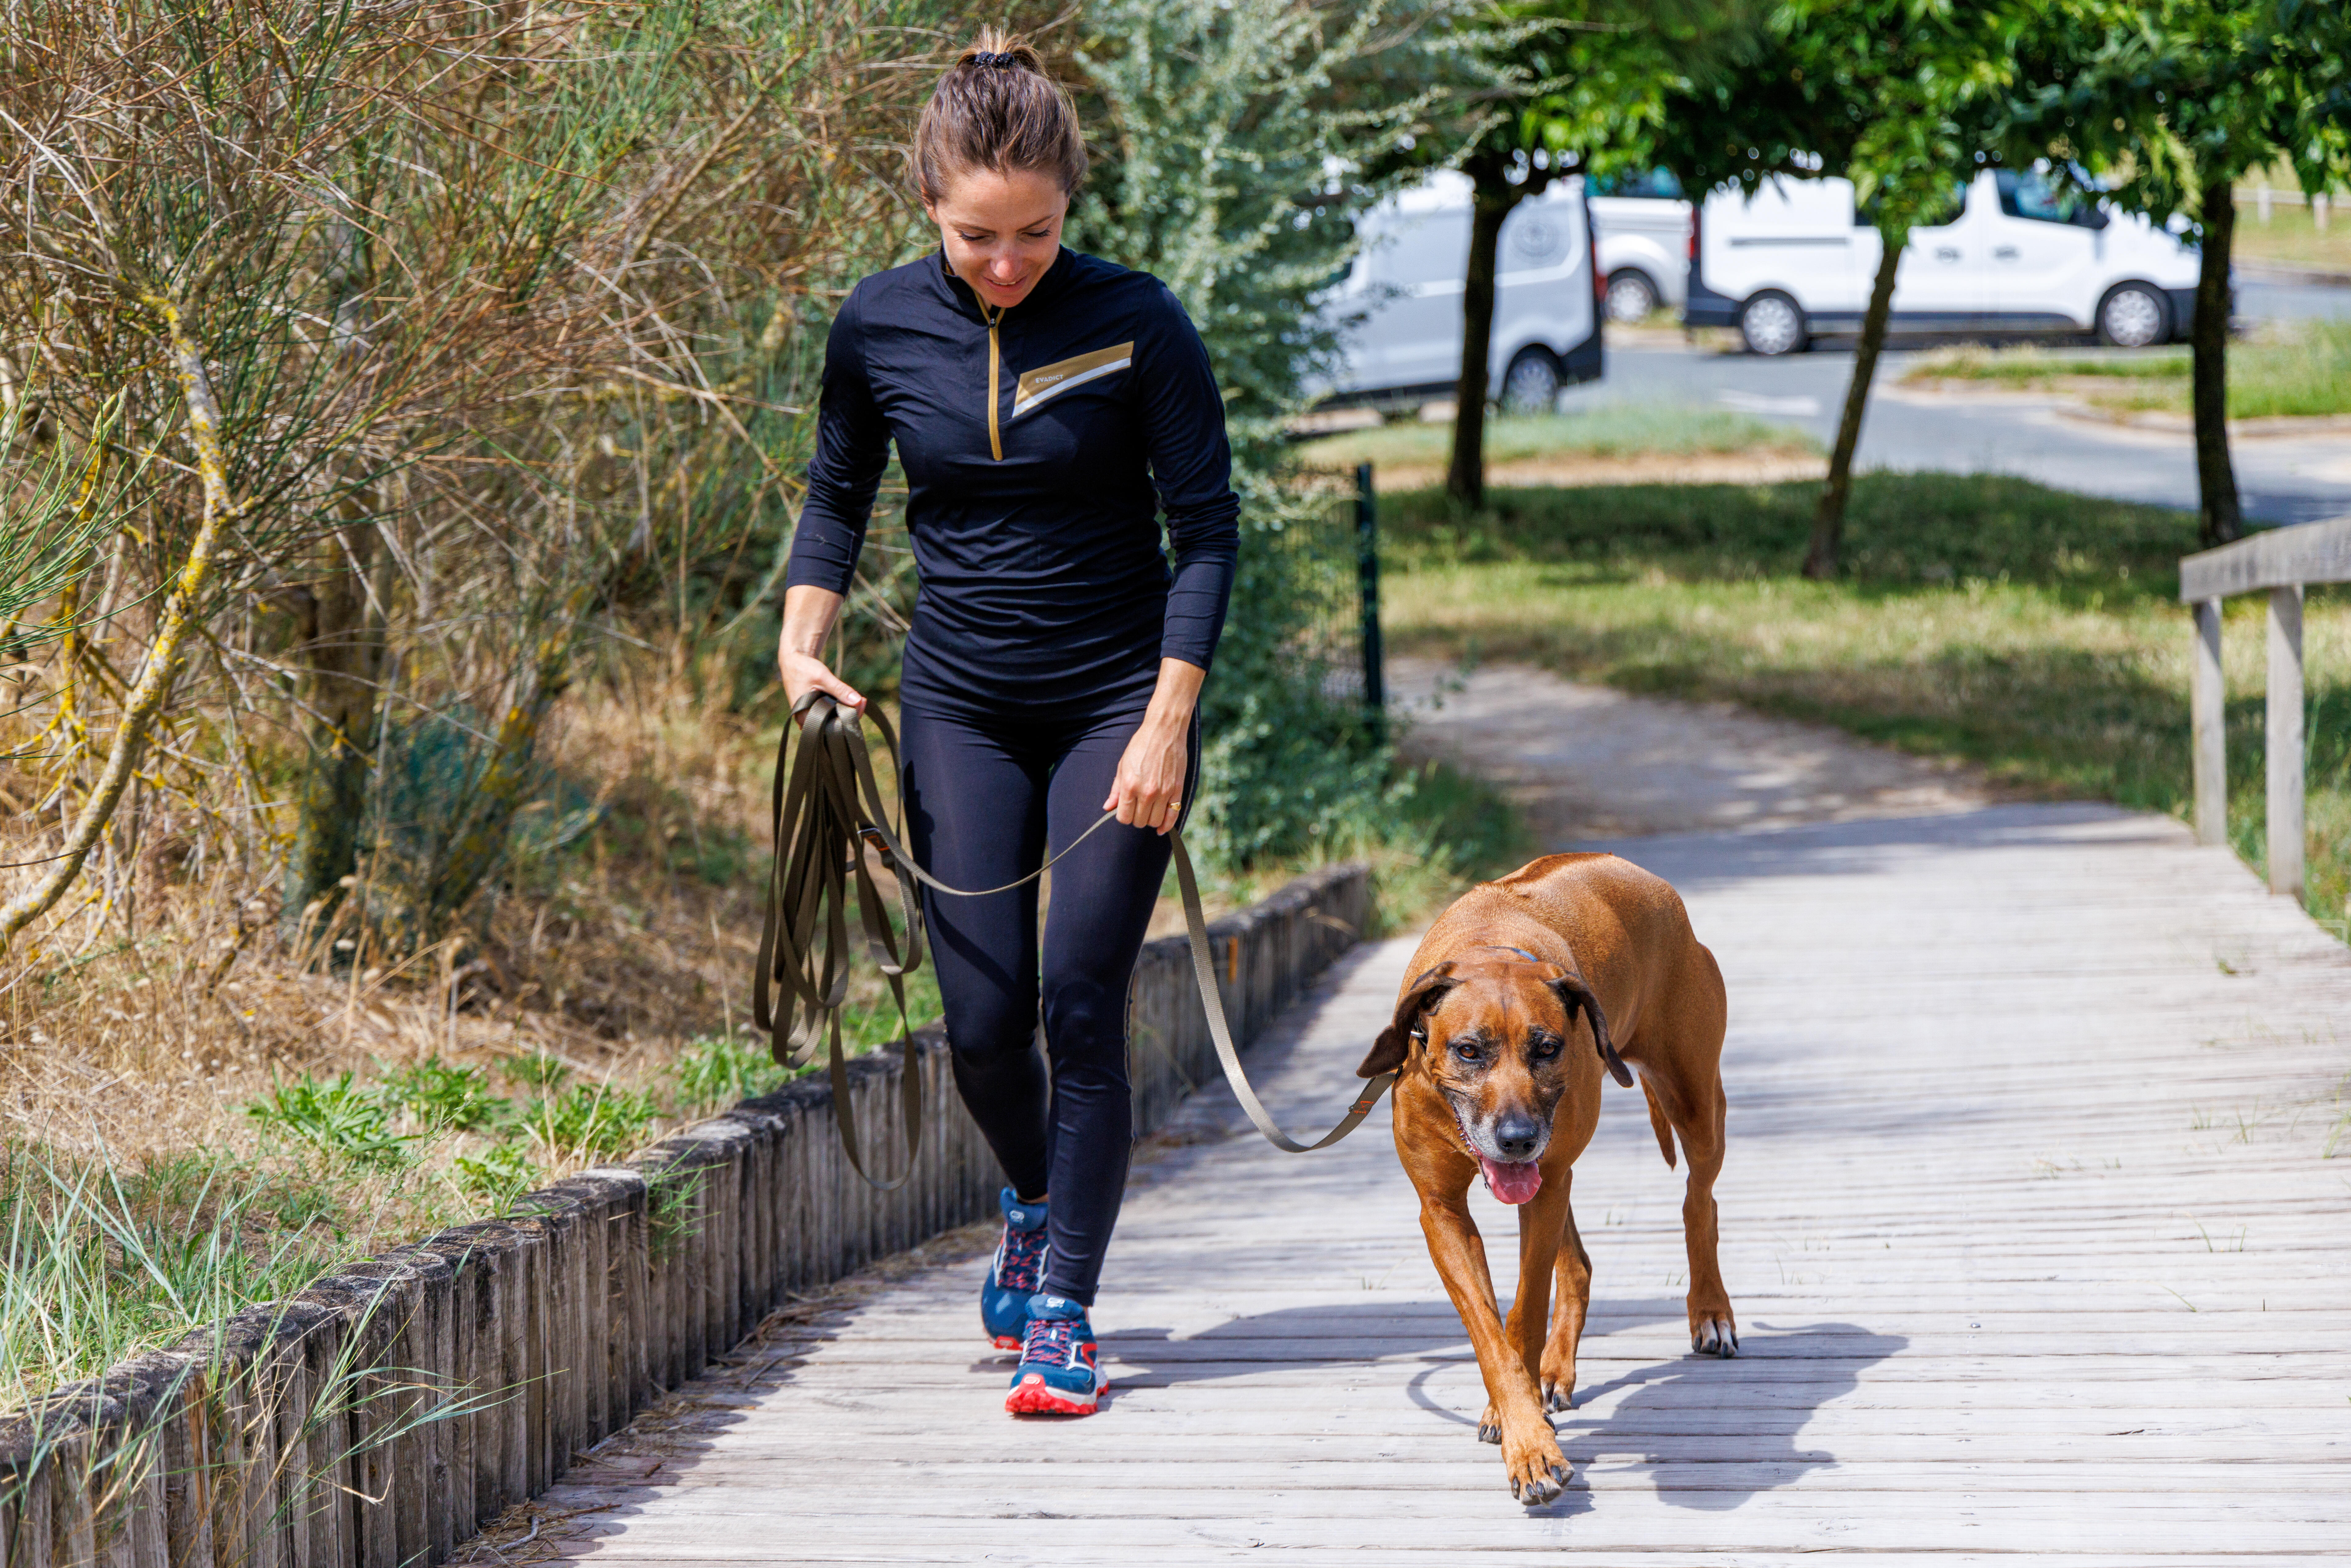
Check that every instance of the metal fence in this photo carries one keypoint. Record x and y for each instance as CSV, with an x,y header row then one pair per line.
x,y
1334,562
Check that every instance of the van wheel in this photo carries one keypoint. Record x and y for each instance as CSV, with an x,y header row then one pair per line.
x,y
2133,316
1531,384
1773,324
1631,296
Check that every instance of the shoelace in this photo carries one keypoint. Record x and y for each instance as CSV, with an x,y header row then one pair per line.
x,y
1022,1261
1051,1340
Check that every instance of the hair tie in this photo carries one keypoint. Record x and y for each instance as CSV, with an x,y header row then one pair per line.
x,y
997,62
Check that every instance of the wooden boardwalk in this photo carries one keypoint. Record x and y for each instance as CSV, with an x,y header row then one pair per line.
x,y
2029,1214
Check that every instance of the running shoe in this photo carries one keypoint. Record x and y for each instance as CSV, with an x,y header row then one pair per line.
x,y
1016,1273
1061,1366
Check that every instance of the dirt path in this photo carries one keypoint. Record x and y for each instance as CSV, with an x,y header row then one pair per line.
x,y
1585,763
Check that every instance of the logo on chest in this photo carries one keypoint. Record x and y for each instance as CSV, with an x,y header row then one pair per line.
x,y
1047,381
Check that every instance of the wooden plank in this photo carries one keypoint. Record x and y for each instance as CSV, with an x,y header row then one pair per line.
x,y
1985,1077
2209,726
2283,733
2274,558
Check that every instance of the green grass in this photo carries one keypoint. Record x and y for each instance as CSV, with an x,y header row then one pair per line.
x,y
2292,236
2028,631
1604,430
2302,368
101,1259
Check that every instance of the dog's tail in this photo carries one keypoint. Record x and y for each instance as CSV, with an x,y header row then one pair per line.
x,y
1657,1120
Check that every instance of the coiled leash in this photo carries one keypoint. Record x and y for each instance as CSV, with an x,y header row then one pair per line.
x,y
829,812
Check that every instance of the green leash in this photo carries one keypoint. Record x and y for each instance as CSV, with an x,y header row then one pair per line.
x,y
828,809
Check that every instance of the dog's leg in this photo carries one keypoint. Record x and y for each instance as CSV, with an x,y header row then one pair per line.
x,y
1677,1050
1514,1413
1684,1076
1540,1220
1572,1276
1713,1329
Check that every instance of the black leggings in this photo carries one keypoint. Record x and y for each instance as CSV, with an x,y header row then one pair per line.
x,y
984,799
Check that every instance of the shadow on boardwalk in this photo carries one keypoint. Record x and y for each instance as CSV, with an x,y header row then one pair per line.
x,y
1712,1434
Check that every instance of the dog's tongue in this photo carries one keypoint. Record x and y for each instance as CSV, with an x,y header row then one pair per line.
x,y
1512,1183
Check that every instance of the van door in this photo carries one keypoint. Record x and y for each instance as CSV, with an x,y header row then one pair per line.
x,y
1543,285
1793,236
2046,253
1418,327
1942,285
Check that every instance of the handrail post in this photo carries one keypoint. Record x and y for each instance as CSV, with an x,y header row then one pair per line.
x,y
1367,575
2283,730
2208,703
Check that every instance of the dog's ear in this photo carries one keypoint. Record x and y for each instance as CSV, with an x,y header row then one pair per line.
x,y
1389,1051
1573,993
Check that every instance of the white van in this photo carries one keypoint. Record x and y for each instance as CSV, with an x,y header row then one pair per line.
x,y
2019,257
1642,227
1398,309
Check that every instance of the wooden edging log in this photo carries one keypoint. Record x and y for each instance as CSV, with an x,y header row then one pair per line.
x,y
384,1414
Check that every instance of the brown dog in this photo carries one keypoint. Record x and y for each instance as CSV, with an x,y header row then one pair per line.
x,y
1519,996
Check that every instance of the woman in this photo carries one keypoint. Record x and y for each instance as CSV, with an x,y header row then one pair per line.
x,y
1046,405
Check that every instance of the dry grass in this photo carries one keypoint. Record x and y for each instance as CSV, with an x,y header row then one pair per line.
x,y
146,1032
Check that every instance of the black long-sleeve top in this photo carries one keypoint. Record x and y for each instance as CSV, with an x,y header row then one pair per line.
x,y
1039,444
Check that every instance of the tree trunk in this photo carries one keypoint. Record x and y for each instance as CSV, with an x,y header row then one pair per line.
x,y
2219,518
480,843
1828,522
343,651
183,608
1464,476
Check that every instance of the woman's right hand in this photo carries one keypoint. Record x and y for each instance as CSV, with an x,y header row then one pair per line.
x,y
805,673
807,616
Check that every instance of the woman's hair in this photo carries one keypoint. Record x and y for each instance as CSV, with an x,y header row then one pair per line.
x,y
996,110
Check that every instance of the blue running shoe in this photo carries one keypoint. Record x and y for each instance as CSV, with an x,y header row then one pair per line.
x,y
1061,1366
1016,1273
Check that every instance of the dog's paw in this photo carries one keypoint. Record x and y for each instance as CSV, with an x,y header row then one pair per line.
x,y
1558,1393
1715,1336
1538,1475
1489,1426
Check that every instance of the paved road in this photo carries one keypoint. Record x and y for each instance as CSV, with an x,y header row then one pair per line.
x,y
2282,479
2292,301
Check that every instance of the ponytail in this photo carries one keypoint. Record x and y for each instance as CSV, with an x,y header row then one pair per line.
x,y
997,108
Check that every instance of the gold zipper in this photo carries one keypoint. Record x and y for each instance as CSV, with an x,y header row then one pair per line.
x,y
994,441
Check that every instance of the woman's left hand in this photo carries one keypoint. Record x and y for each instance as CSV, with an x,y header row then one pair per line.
x,y
1149,791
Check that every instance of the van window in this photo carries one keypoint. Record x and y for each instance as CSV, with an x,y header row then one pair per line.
x,y
1656,184
1864,213
2028,193
1424,248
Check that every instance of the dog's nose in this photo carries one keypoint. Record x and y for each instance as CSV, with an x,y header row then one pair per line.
x,y
1517,1136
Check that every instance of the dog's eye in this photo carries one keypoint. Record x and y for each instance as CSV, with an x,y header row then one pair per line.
x,y
1542,1047
1468,1050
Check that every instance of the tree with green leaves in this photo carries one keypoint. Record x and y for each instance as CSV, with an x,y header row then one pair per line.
x,y
2162,107
1533,91
1898,96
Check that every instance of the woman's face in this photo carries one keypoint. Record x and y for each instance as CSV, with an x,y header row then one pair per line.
x,y
1001,231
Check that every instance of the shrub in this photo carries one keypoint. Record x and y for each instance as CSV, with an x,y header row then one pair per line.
x,y
337,1117
1235,176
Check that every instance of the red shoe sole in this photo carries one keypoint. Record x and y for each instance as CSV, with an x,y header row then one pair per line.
x,y
1032,1395
1006,1341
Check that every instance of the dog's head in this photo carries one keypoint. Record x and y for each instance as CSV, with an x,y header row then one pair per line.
x,y
1493,1037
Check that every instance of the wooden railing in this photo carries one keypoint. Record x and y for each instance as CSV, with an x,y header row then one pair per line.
x,y
2282,562
389,1411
